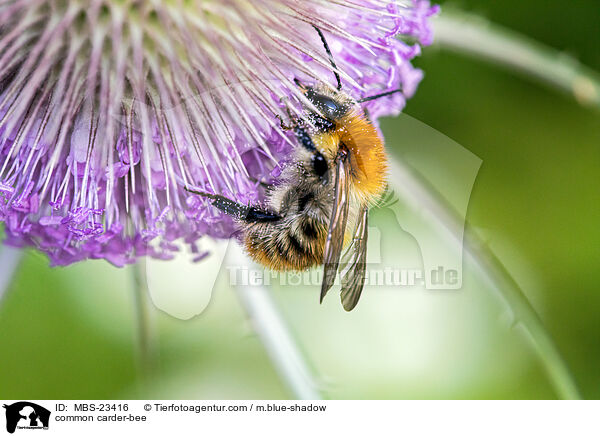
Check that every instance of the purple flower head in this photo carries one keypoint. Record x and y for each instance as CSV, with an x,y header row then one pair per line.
x,y
108,109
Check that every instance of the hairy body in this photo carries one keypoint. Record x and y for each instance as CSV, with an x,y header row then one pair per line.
x,y
304,195
336,173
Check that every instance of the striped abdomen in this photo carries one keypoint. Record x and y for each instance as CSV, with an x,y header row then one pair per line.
x,y
294,244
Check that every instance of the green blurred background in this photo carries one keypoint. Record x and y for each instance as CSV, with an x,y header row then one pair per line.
x,y
69,332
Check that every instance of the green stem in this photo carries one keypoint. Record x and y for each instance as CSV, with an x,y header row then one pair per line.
x,y
10,259
418,193
144,334
281,346
523,313
481,39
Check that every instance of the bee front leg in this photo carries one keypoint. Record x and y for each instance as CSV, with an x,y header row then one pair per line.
x,y
293,118
282,124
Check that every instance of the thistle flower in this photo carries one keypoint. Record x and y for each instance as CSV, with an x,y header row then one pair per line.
x,y
108,109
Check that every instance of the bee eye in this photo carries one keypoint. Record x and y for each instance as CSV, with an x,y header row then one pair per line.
x,y
319,165
328,107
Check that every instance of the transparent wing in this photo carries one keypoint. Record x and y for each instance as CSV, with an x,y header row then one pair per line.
x,y
353,272
337,224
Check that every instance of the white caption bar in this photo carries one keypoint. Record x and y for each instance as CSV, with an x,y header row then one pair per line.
x,y
157,417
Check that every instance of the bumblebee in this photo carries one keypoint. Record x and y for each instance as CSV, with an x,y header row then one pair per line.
x,y
338,172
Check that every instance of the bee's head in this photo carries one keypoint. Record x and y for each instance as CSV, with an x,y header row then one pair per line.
x,y
328,107
330,103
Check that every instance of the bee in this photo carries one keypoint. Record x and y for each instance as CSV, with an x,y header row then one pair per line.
x,y
338,172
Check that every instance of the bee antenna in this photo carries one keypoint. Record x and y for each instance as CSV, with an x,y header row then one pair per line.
x,y
383,94
331,61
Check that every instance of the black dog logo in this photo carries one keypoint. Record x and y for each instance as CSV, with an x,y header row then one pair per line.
x,y
26,415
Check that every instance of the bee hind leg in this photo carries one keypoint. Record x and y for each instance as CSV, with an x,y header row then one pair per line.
x,y
248,214
257,215
260,182
300,85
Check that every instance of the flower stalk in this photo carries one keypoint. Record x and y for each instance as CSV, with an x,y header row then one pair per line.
x,y
10,259
279,342
474,36
417,192
145,334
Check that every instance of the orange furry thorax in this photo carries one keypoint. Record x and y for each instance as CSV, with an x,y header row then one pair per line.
x,y
368,161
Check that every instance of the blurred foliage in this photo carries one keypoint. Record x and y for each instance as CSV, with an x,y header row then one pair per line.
x,y
538,190
68,333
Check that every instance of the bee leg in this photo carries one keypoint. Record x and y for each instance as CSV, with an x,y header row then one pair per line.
x,y
256,215
282,124
367,114
388,198
300,85
293,119
260,182
249,214
304,138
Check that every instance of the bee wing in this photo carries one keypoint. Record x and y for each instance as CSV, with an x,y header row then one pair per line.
x,y
337,225
353,272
